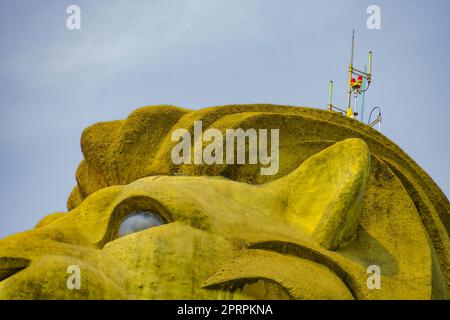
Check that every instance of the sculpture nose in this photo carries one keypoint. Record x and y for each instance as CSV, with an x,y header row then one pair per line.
x,y
10,266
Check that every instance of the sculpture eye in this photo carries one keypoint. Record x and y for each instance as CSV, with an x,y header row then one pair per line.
x,y
140,220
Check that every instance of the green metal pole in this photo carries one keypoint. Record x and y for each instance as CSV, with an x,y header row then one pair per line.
x,y
330,95
363,96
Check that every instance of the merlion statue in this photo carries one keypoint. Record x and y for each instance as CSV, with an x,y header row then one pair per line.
x,y
346,215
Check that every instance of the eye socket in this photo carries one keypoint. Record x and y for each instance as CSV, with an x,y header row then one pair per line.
x,y
140,220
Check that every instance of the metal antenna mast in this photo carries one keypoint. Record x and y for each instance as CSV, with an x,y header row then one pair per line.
x,y
354,86
350,73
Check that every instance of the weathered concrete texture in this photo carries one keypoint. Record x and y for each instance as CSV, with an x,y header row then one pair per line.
x,y
345,197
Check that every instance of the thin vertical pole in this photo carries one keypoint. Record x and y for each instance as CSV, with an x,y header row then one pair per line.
x,y
330,95
350,72
353,47
363,96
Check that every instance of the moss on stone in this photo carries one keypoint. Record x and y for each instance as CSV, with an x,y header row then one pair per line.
x,y
345,197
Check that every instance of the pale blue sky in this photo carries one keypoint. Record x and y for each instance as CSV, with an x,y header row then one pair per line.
x,y
54,82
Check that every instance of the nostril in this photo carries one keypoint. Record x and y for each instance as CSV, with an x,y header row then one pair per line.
x,y
11,265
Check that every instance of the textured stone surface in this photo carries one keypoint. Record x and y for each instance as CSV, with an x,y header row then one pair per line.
x,y
345,197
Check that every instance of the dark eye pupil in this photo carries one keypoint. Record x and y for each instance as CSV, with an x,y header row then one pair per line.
x,y
138,221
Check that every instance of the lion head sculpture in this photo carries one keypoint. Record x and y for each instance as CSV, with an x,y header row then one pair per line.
x,y
344,202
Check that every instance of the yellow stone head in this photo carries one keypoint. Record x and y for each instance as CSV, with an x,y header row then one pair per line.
x,y
348,215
